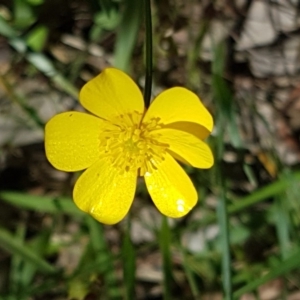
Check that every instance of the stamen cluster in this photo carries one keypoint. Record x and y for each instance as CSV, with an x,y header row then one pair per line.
x,y
132,145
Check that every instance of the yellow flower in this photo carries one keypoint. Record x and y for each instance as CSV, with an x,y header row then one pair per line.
x,y
122,140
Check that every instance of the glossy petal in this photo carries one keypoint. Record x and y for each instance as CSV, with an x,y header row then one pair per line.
x,y
112,93
179,105
190,148
104,192
197,130
72,140
171,189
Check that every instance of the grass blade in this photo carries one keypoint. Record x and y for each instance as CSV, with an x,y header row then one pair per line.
x,y
103,254
225,245
15,246
292,263
128,256
190,274
39,60
165,243
16,263
282,224
42,203
127,33
258,196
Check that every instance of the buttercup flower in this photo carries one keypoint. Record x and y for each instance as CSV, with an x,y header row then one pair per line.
x,y
122,140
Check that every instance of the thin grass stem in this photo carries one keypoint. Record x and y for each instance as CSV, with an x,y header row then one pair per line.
x,y
225,242
165,242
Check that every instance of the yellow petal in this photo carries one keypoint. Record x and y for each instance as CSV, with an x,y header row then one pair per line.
x,y
179,105
171,189
112,93
199,131
190,148
104,192
72,140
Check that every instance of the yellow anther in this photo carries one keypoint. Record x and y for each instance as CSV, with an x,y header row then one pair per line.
x,y
130,147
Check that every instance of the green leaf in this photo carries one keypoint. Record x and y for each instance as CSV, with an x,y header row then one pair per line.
x,y
223,222
16,264
264,193
5,29
127,33
42,203
286,266
224,96
129,267
78,289
23,271
103,255
37,38
42,63
191,278
13,245
23,14
165,244
39,245
282,222
108,20
38,60
35,2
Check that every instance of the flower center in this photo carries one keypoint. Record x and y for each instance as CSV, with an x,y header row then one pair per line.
x,y
132,145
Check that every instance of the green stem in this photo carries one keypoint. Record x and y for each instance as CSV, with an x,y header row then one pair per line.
x,y
225,242
148,79
129,262
165,242
223,221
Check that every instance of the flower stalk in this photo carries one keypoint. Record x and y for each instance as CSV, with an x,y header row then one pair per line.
x,y
148,44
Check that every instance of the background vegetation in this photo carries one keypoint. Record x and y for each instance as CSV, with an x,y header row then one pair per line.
x,y
242,239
